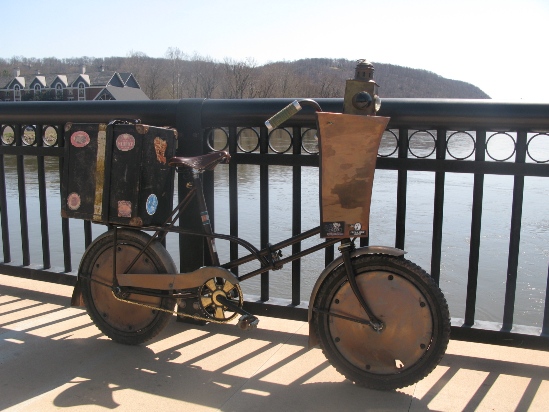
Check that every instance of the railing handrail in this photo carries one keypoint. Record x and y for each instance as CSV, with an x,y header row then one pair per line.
x,y
451,114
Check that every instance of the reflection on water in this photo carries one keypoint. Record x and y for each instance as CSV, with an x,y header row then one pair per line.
x,y
534,245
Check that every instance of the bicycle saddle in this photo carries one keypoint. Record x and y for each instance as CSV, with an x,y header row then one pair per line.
x,y
203,162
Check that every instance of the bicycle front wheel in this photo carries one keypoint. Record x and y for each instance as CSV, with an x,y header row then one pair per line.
x,y
121,321
409,303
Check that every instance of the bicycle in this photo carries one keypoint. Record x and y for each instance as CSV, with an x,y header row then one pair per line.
x,y
380,319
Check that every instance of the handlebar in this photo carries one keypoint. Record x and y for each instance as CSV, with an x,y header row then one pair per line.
x,y
290,110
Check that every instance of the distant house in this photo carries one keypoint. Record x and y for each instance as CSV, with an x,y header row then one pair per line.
x,y
99,85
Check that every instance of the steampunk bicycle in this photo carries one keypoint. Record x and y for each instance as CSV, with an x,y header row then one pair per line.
x,y
380,319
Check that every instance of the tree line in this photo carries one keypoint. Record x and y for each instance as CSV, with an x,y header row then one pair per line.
x,y
178,75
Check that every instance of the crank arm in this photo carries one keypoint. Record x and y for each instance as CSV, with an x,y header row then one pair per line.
x,y
247,321
337,315
232,306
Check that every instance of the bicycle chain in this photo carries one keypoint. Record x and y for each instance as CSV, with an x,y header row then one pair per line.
x,y
173,312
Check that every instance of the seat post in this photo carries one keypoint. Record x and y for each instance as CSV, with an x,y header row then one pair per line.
x,y
204,216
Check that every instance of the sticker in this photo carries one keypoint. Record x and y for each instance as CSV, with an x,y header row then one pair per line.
x,y
125,142
334,228
80,139
152,204
356,230
205,218
160,147
99,173
73,201
124,208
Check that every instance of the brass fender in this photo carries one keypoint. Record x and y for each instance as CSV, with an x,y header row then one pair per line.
x,y
170,281
368,250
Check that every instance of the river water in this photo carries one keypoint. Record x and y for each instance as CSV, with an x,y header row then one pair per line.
x,y
534,245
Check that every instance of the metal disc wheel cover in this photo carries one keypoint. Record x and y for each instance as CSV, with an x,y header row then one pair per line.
x,y
120,315
402,308
124,322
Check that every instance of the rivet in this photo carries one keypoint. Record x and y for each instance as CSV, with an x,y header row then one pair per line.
x,y
337,301
422,304
422,346
391,277
337,339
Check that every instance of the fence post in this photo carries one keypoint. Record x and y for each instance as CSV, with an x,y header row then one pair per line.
x,y
190,143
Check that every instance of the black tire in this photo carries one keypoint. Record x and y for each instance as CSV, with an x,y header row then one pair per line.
x,y
415,315
124,322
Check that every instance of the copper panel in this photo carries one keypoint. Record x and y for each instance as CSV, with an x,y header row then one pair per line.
x,y
405,313
348,153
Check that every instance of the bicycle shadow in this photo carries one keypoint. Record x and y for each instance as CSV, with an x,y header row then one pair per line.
x,y
253,380
214,366
53,355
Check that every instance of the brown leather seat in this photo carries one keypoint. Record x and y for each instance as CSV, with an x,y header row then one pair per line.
x,y
203,162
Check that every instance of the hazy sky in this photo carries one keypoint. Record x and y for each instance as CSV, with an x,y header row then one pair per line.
x,y
499,46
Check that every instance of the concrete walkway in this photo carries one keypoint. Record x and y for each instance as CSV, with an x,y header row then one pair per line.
x,y
53,358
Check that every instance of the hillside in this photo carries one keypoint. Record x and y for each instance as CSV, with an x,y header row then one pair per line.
x,y
180,76
394,81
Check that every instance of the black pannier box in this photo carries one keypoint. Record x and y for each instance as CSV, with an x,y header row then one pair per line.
x,y
118,173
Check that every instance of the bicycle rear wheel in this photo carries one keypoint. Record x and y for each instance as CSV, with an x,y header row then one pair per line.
x,y
124,322
415,316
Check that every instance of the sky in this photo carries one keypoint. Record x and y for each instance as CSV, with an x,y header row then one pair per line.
x,y
498,45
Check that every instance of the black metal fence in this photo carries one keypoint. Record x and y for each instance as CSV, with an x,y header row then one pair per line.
x,y
441,137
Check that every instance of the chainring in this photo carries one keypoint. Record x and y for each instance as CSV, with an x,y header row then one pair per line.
x,y
219,287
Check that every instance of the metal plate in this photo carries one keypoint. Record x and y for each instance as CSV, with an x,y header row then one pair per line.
x,y
403,309
122,316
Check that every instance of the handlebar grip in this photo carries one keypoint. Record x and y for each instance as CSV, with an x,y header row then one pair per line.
x,y
283,115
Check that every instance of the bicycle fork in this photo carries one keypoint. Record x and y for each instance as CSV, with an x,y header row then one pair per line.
x,y
346,248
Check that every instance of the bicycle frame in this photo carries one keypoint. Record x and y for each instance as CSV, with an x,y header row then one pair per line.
x,y
268,256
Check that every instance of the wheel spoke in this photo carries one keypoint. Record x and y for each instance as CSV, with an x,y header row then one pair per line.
x,y
228,287
206,301
219,312
210,284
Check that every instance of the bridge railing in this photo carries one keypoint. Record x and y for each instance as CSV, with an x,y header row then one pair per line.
x,y
440,138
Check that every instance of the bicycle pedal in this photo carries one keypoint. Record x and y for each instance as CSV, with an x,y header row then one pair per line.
x,y
247,322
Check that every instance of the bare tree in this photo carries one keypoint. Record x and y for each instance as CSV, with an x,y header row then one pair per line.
x,y
208,76
176,73
237,78
149,72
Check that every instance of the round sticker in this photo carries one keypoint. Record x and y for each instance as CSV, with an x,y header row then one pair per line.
x,y
125,142
124,208
80,139
152,204
73,201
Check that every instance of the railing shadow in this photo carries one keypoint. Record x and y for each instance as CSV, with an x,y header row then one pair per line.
x,y
58,356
